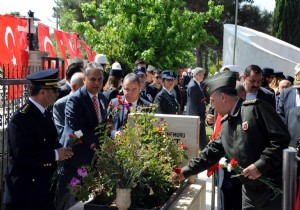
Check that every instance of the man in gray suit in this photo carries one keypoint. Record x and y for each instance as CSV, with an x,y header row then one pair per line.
x,y
76,82
196,102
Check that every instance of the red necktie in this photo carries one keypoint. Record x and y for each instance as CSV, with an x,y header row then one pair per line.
x,y
96,106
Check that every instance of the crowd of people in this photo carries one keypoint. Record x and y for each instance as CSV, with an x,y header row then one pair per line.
x,y
252,112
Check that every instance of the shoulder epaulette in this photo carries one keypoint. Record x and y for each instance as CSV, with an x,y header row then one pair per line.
x,y
25,109
249,102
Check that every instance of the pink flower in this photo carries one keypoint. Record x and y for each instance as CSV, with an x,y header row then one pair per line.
x,y
74,182
126,105
82,172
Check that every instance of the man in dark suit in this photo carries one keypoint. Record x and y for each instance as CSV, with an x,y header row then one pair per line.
x,y
131,90
196,102
165,99
58,111
290,97
147,92
65,89
252,82
85,110
33,147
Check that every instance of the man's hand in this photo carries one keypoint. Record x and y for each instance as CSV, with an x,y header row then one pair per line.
x,y
251,172
64,153
210,119
177,177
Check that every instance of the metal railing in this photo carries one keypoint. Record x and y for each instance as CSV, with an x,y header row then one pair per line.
x,y
289,178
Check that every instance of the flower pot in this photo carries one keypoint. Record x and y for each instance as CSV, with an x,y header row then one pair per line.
x,y
123,198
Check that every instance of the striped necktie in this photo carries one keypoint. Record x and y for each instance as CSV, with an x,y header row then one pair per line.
x,y
97,109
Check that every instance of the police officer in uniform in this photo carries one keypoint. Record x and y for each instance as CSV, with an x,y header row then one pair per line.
x,y
166,99
253,134
33,147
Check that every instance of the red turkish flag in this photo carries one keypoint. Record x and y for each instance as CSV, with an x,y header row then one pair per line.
x,y
72,46
59,37
14,50
23,42
45,43
89,52
76,44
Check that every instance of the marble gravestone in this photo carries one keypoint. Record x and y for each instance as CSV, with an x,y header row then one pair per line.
x,y
184,129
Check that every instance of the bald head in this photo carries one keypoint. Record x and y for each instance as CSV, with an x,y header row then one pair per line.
x,y
283,84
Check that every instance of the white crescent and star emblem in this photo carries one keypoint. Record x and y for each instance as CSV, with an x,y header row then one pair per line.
x,y
47,40
8,32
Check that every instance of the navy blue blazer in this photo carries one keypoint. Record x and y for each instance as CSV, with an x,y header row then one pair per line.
x,y
81,115
194,105
286,101
119,120
32,139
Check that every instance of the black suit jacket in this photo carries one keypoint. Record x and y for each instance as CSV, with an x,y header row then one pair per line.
x,y
266,96
167,104
149,93
119,120
292,121
32,139
81,115
286,101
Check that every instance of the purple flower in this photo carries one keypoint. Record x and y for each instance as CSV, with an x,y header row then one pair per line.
x,y
126,105
82,172
75,182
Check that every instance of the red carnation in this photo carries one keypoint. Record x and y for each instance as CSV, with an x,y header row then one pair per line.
x,y
71,135
233,162
177,170
183,146
203,100
110,105
119,96
79,140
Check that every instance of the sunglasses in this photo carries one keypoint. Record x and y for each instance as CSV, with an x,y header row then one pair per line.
x,y
158,77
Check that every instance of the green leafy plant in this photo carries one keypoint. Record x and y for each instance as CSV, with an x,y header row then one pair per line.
x,y
141,158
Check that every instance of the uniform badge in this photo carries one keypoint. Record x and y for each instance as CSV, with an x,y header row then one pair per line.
x,y
245,126
149,97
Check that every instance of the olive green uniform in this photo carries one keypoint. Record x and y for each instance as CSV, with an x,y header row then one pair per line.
x,y
254,133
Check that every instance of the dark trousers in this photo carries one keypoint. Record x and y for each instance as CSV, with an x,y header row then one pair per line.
x,y
260,198
64,199
46,206
202,136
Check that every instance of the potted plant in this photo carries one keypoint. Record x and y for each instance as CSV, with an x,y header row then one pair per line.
x,y
138,162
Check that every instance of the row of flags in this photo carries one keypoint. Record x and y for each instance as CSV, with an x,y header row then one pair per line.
x,y
14,48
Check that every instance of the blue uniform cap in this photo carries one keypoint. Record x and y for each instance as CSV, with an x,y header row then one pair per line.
x,y
167,74
47,77
139,70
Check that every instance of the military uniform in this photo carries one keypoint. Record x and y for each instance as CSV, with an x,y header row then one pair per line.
x,y
32,140
254,133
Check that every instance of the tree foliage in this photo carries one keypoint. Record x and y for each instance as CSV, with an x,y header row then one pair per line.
x,y
163,33
286,21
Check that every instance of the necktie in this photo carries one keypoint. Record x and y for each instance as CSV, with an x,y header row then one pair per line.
x,y
96,106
